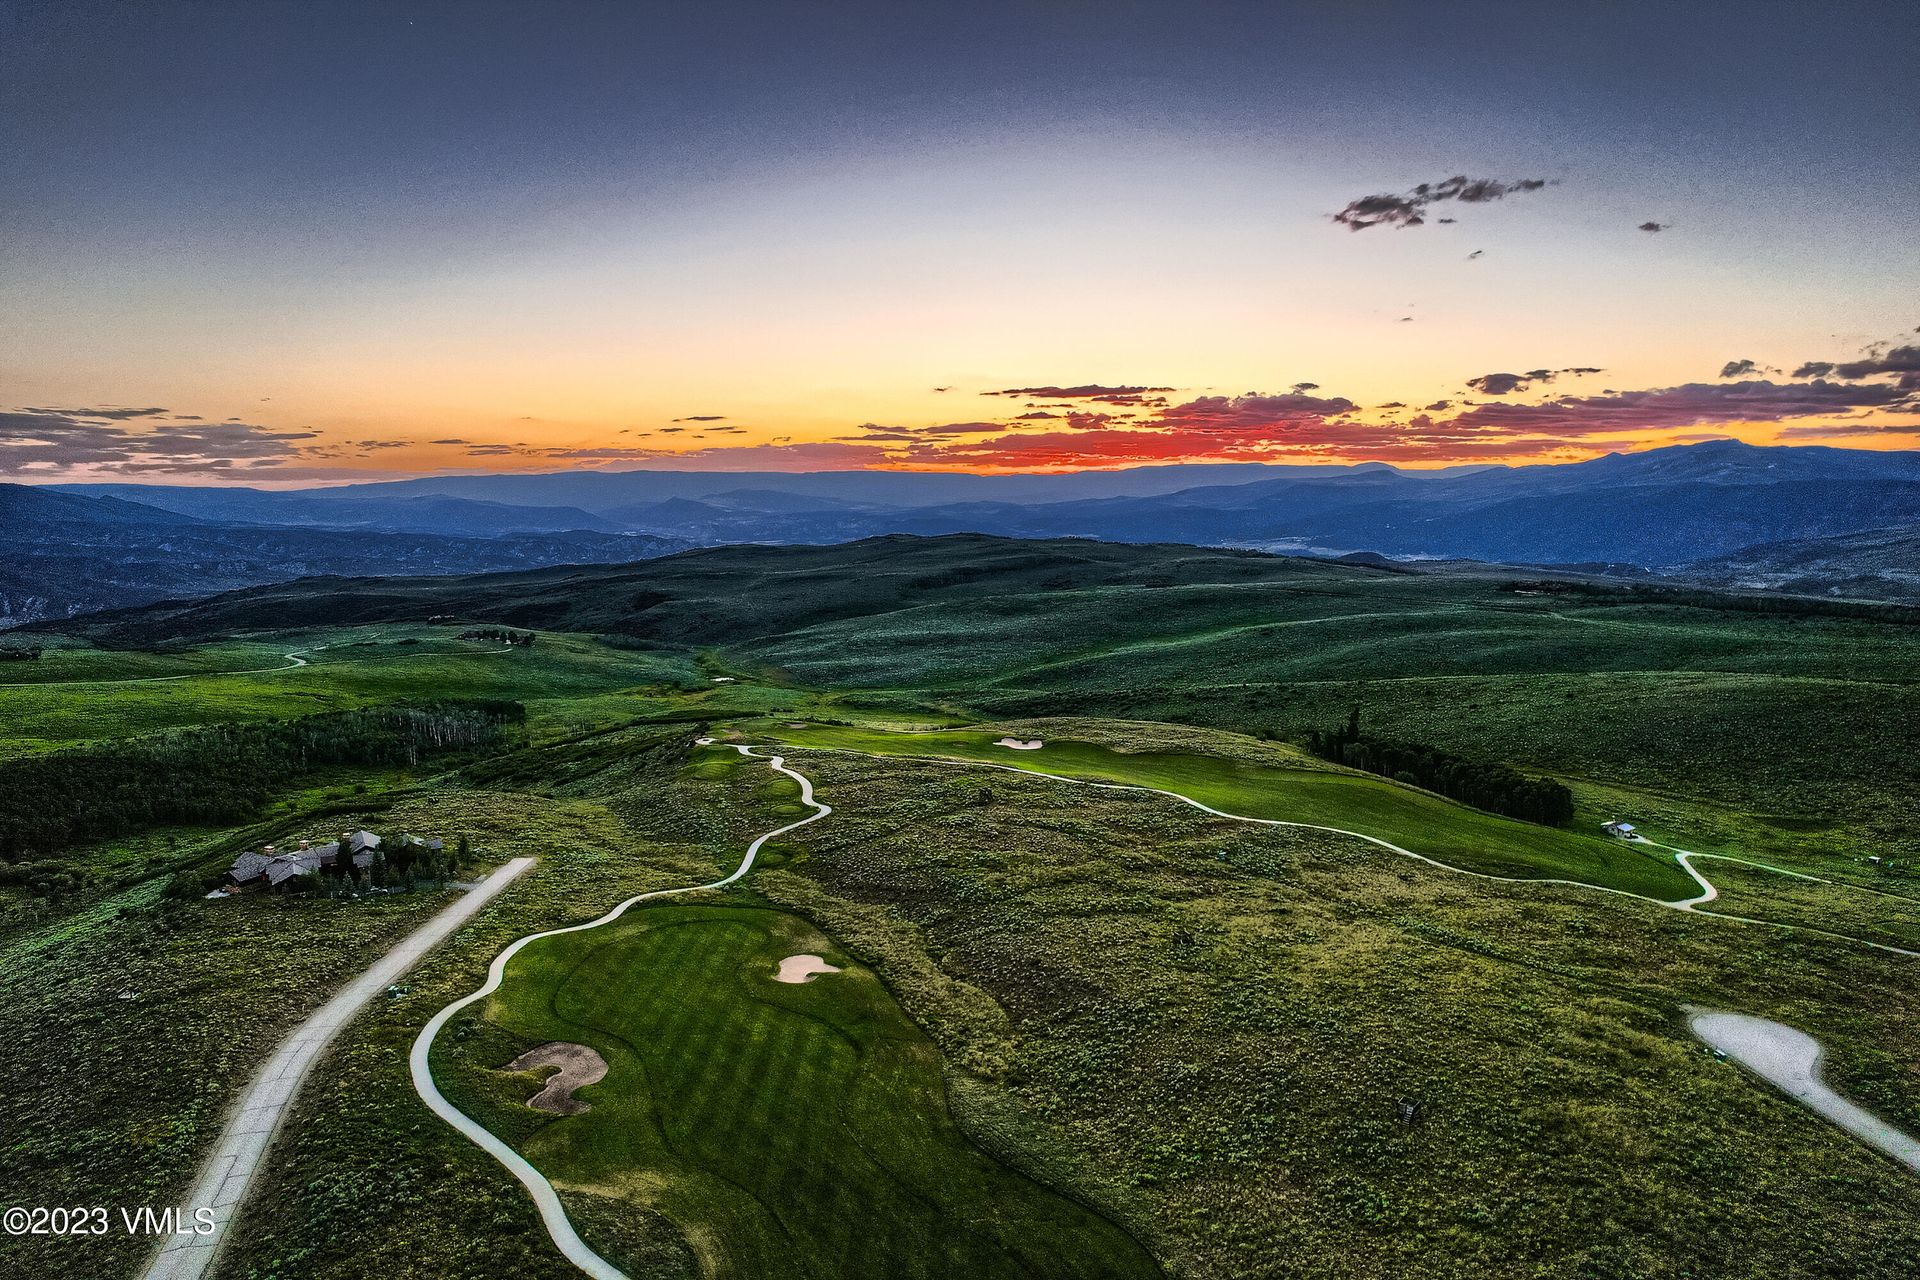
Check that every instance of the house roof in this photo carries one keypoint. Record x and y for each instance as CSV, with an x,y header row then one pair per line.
x,y
248,865
287,866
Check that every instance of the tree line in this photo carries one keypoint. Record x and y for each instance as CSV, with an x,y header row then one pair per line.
x,y
1484,784
222,774
504,635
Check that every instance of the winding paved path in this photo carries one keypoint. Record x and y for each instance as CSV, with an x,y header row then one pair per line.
x,y
1683,857
547,1200
293,660
1790,1061
228,1174
552,1213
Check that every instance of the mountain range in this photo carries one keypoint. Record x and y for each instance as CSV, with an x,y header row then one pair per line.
x,y
1721,511
63,553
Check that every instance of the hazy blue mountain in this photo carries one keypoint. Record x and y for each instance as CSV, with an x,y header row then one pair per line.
x,y
333,509
1663,509
66,553
1874,563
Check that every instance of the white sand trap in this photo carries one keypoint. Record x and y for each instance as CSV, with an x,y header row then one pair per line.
x,y
1790,1061
579,1067
1014,744
803,969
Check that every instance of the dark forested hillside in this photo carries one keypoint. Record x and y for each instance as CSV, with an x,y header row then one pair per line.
x,y
63,554
218,774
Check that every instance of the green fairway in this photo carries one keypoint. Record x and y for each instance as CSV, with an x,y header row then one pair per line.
x,y
1306,792
788,1129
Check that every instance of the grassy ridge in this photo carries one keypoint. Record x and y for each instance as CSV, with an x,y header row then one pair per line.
x,y
1291,787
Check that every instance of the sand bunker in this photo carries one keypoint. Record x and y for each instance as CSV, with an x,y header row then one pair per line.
x,y
1015,744
579,1067
803,969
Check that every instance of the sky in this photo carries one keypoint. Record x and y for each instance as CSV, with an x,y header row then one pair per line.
x,y
278,243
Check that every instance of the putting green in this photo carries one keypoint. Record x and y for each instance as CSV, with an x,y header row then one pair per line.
x,y
1415,820
789,1129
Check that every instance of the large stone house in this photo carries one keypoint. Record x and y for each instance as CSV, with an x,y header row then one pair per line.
x,y
273,867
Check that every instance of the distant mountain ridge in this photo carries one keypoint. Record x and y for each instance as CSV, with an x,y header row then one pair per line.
x,y
1666,510
67,553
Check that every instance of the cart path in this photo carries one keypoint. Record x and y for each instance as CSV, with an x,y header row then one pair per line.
x,y
293,660
1790,1061
552,1213
228,1172
1683,857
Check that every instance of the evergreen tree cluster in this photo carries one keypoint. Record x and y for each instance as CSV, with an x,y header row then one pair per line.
x,y
221,774
1484,784
503,635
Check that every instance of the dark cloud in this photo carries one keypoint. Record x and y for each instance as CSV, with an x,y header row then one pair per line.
x,y
116,415
449,442
1301,388
1655,226
1899,360
703,417
1410,209
1497,384
34,441
1738,368
1692,404
1090,392
1500,384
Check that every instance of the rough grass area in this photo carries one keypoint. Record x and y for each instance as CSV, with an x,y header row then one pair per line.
x,y
130,1025
366,1181
1259,781
1890,918
1227,1017
790,1130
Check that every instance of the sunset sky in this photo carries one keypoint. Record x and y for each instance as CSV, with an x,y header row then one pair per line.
x,y
271,243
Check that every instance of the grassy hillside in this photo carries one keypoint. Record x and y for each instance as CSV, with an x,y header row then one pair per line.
x,y
714,596
1287,786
